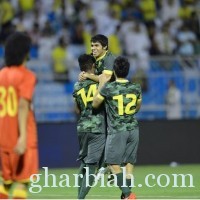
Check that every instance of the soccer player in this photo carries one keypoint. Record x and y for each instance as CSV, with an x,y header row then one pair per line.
x,y
18,136
122,101
90,128
104,59
103,65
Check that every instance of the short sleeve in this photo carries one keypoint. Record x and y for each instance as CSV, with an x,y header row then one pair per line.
x,y
109,63
26,88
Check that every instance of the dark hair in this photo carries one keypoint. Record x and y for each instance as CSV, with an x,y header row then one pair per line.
x,y
102,39
86,62
17,47
121,67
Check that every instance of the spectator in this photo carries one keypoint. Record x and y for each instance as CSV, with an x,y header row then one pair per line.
x,y
6,17
77,33
46,42
77,38
194,24
116,6
140,77
115,43
26,6
154,50
149,12
90,29
35,35
62,60
186,39
173,101
164,41
185,11
140,49
169,9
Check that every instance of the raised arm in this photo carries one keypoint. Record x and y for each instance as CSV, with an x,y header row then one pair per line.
x,y
98,98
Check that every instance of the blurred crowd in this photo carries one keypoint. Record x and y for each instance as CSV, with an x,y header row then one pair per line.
x,y
135,28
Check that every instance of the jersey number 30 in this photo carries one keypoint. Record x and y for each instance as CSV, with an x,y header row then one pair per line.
x,y
130,107
8,102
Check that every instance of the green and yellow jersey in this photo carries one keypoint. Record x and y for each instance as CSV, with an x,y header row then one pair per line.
x,y
83,94
104,64
121,98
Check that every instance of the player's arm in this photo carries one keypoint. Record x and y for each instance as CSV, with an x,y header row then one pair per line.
x,y
92,77
98,98
96,77
107,74
24,106
85,75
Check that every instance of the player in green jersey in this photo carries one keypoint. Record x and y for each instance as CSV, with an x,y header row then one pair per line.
x,y
122,100
103,65
104,58
90,128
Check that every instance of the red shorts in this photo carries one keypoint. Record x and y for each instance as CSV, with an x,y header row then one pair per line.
x,y
19,168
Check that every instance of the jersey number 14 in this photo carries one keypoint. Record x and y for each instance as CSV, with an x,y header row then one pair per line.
x,y
90,95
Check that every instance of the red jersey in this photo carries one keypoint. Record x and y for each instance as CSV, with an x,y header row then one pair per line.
x,y
15,82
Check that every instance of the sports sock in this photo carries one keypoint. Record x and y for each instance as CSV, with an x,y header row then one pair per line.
x,y
80,179
85,189
125,190
3,192
128,183
19,193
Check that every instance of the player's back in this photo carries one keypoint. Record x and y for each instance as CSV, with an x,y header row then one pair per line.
x,y
84,92
121,99
15,83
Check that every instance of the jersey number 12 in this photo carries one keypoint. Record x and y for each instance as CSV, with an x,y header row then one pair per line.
x,y
130,107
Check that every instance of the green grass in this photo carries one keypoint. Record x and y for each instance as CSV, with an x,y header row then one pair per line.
x,y
144,192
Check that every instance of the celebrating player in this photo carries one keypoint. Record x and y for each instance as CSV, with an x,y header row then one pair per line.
x,y
90,128
122,100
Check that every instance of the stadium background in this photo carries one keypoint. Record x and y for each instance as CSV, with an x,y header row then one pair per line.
x,y
165,46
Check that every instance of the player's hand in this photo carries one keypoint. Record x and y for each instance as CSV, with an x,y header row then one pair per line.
x,y
20,147
82,76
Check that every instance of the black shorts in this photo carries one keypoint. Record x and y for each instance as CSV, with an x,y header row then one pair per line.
x,y
121,148
91,147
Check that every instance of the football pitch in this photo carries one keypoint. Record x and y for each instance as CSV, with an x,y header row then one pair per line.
x,y
150,182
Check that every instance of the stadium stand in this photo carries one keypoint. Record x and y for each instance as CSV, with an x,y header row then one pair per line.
x,y
173,37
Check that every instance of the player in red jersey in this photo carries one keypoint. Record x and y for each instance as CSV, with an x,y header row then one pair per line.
x,y
18,135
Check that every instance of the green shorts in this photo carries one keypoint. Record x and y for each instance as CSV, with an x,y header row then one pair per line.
x,y
91,147
121,148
